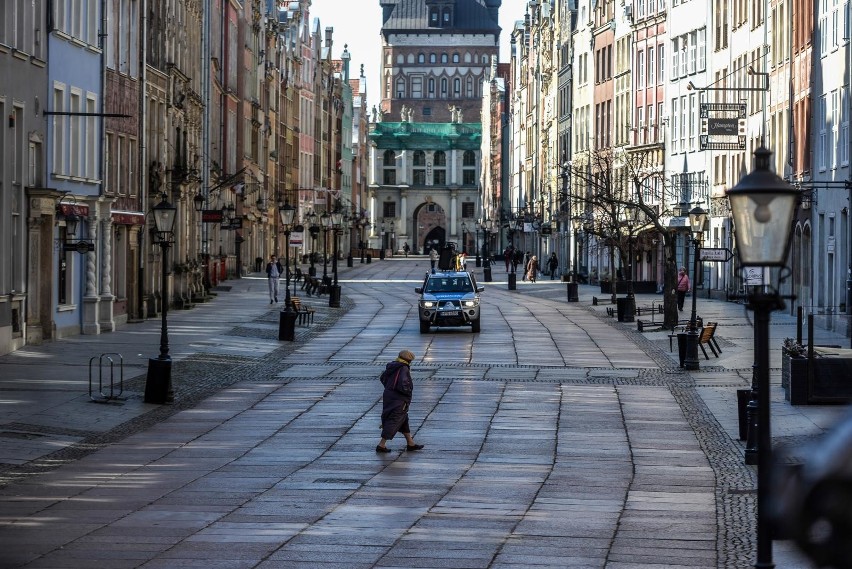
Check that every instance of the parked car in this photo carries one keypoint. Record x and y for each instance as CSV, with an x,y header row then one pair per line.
x,y
449,298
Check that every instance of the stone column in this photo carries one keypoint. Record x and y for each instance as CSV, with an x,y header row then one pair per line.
x,y
106,310
454,198
403,168
372,214
40,271
91,301
374,164
403,215
451,168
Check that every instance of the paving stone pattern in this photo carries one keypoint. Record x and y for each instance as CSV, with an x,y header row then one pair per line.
x,y
553,438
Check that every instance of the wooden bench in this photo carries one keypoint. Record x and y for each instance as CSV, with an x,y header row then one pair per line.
x,y
305,313
707,337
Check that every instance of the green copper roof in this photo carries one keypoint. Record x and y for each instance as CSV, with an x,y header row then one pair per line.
x,y
426,136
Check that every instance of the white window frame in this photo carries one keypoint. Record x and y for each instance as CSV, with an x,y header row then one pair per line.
x,y
835,126
640,69
675,58
91,137
844,126
652,67
674,120
60,127
823,133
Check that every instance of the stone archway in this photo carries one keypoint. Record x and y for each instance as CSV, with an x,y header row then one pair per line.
x,y
429,224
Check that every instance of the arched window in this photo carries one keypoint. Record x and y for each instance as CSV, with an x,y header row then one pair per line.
x,y
400,59
387,86
421,58
433,58
469,168
485,60
455,58
389,167
431,88
467,57
444,87
456,87
400,88
410,58
439,172
445,58
419,177
469,88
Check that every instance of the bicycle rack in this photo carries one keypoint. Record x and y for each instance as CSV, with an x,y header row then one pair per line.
x,y
102,397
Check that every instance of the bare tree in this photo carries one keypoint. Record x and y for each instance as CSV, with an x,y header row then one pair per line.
x,y
611,185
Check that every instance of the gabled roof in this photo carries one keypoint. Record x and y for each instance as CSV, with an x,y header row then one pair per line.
x,y
470,16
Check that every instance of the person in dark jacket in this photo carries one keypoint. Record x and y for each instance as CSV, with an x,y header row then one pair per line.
x,y
552,264
395,401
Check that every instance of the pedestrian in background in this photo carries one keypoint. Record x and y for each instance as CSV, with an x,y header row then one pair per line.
x,y
508,253
273,273
552,264
433,258
463,261
532,268
682,287
406,249
526,266
396,400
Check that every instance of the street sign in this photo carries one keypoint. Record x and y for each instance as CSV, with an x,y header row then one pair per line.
x,y
80,247
719,255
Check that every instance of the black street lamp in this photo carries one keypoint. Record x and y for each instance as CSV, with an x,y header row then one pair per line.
x,y
334,289
362,223
573,287
631,216
158,386
487,228
325,223
762,207
314,230
697,219
287,318
478,230
464,236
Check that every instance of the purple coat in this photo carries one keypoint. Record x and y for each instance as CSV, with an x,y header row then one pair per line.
x,y
395,401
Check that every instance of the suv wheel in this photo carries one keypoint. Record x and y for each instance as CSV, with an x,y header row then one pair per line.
x,y
474,325
424,327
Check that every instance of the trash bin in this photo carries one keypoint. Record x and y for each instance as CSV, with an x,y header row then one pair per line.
x,y
573,294
681,347
624,309
513,281
743,397
486,272
382,254
369,259
349,261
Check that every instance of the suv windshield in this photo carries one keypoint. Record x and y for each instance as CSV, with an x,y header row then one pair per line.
x,y
449,284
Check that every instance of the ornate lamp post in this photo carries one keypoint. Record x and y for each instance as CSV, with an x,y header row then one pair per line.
x,y
287,318
158,386
697,219
325,223
334,289
464,236
362,224
631,217
763,206
478,230
314,230
486,238
573,287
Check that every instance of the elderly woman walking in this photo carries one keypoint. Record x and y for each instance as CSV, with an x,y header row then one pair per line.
x,y
395,402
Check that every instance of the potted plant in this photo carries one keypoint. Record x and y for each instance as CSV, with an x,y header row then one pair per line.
x,y
794,371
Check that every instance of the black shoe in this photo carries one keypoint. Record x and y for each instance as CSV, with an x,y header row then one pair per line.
x,y
382,449
276,299
413,447
270,302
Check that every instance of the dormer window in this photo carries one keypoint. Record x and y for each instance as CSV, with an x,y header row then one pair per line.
x,y
434,18
446,19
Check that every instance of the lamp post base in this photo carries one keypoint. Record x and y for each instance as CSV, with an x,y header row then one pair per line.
x,y
513,281
287,326
158,385
573,293
334,296
691,360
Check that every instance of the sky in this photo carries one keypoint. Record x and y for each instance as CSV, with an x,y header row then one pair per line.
x,y
358,22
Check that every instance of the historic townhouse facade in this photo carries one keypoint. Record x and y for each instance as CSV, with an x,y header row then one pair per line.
x,y
426,134
118,105
28,238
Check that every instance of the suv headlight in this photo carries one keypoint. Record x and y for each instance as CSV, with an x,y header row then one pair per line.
x,y
470,303
427,304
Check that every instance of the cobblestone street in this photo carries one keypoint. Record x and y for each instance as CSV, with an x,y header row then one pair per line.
x,y
555,437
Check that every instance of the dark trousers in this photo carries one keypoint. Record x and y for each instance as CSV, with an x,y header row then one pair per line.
x,y
681,298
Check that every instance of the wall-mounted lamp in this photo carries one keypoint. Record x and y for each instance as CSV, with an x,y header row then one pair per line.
x,y
198,202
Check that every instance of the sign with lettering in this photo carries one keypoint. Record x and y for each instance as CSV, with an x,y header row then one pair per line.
x,y
715,255
723,126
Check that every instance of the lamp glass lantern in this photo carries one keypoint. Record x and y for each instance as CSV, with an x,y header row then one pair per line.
x,y
71,221
164,218
287,212
325,220
336,219
198,202
763,206
697,220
